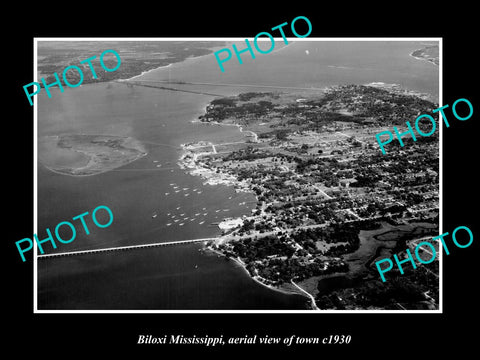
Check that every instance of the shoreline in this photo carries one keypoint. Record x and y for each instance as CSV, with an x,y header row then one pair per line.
x,y
195,168
213,49
398,89
427,59
189,161
58,171
145,72
422,59
94,162
256,279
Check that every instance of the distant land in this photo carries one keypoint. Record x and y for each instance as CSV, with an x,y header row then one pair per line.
x,y
137,57
428,53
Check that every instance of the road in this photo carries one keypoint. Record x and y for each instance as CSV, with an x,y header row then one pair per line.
x,y
314,304
234,85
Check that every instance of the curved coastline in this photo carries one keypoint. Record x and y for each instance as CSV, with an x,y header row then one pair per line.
x,y
432,60
146,72
258,280
216,179
104,153
58,171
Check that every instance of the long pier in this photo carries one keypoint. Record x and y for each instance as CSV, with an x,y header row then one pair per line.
x,y
228,85
82,252
140,83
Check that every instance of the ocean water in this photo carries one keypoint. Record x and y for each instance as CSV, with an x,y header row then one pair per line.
x,y
180,277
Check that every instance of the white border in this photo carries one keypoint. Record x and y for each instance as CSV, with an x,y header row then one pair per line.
x,y
35,201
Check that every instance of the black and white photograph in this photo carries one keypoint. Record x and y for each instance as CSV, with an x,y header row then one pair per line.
x,y
209,180
265,179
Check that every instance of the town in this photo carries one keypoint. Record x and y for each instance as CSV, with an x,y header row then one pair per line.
x,y
328,203
418,128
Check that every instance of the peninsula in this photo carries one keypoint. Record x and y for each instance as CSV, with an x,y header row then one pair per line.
x,y
328,202
428,53
137,57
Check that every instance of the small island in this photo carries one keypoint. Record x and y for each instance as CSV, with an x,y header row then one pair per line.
x,y
101,153
428,53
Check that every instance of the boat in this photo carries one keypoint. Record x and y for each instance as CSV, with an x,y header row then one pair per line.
x,y
154,216
169,224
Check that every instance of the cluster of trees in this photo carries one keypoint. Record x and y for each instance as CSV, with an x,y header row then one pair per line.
x,y
282,271
370,210
322,117
312,163
224,108
247,154
278,134
365,181
334,233
252,95
406,289
386,294
257,249
371,102
329,302
293,216
225,102
127,68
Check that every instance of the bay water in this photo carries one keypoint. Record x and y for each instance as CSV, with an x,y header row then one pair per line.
x,y
145,194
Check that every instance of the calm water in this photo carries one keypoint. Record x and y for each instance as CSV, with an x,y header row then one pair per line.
x,y
180,277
